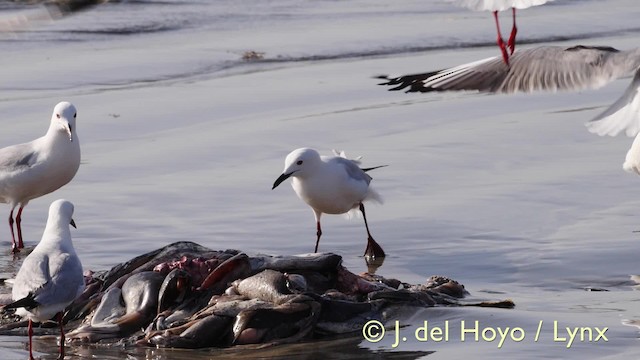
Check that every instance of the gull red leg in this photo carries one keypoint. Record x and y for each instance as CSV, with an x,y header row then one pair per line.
x,y
501,44
30,333
14,245
514,30
61,356
19,227
318,233
373,250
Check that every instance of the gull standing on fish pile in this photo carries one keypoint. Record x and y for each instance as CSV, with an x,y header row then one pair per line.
x,y
50,278
501,5
331,185
36,168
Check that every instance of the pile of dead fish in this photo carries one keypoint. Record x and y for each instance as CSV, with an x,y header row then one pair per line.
x,y
187,296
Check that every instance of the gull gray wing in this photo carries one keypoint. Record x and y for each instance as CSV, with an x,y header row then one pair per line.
x,y
353,170
65,283
544,68
32,276
624,114
17,156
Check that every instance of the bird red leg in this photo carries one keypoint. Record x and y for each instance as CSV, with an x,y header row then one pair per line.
x,y
30,333
373,250
19,227
61,356
14,246
501,44
319,233
514,30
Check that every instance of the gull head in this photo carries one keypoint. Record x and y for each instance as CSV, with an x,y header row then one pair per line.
x,y
61,212
299,163
64,114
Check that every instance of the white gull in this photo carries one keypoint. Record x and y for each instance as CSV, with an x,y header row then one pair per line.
x,y
331,185
50,278
36,168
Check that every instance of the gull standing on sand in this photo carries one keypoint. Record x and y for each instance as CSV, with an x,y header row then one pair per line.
x,y
501,5
331,185
36,168
50,278
546,68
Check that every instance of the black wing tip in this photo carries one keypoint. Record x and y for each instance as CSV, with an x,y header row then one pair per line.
x,y
411,83
391,81
373,168
27,302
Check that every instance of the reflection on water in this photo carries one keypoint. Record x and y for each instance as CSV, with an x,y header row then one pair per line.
x,y
348,347
373,263
342,348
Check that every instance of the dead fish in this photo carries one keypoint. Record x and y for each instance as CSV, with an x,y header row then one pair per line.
x,y
140,295
213,330
296,283
174,289
137,301
210,284
233,268
231,306
169,253
273,300
268,285
278,324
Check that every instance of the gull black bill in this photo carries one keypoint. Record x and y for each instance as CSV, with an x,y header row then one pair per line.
x,y
280,179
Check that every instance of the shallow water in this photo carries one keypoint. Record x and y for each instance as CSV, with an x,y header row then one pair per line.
x,y
182,140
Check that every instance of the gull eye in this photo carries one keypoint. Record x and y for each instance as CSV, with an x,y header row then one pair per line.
x,y
299,162
58,115
74,115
